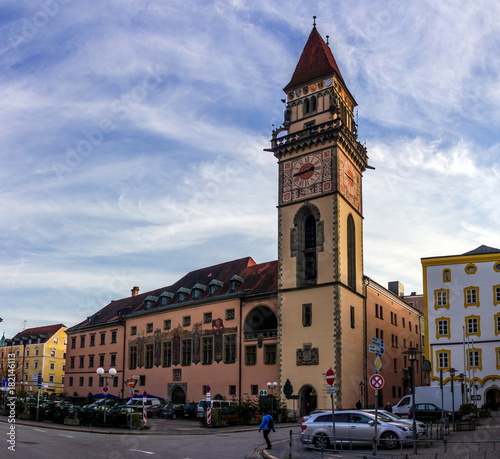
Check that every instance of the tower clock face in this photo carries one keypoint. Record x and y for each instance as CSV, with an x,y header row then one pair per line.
x,y
306,176
349,182
306,171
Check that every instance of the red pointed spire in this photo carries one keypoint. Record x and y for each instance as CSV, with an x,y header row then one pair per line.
x,y
316,61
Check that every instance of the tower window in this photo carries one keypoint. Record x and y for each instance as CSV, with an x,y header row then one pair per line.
x,y
351,253
310,272
307,315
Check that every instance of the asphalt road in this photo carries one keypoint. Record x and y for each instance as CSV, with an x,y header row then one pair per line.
x,y
41,443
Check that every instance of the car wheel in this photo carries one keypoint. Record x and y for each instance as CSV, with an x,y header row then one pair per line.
x,y
321,441
390,440
174,416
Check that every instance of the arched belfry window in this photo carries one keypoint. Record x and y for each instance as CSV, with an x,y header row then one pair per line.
x,y
310,257
307,238
351,252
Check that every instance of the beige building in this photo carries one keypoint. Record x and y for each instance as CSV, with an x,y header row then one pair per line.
x,y
236,326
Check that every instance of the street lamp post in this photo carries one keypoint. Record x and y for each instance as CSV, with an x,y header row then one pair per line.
x,y
412,354
112,372
452,374
461,378
271,386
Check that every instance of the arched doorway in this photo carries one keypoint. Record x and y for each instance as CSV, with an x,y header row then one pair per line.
x,y
492,398
308,400
178,395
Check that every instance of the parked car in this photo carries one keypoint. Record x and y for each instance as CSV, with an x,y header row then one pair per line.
x,y
421,427
154,411
213,404
190,410
172,411
307,416
353,426
428,412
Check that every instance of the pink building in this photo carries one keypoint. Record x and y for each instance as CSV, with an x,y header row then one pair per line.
x,y
215,327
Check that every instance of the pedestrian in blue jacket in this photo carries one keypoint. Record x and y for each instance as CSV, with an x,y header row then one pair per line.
x,y
266,425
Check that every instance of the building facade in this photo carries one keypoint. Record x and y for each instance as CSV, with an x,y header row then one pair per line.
x,y
37,351
390,318
214,328
462,322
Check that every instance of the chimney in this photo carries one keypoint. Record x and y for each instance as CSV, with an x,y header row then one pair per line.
x,y
135,291
397,288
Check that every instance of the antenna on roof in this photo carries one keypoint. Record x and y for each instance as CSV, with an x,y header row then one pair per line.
x,y
327,38
23,323
314,23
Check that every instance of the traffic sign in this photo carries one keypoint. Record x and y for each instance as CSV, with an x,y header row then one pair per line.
x,y
132,382
378,363
330,377
377,382
378,342
330,390
105,389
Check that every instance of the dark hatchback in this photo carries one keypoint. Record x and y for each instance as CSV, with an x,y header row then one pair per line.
x,y
190,410
154,411
172,411
427,412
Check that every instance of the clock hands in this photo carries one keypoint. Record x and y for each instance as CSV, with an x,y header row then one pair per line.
x,y
311,169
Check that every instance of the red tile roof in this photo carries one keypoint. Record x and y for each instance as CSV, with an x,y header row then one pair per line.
x,y
316,61
47,331
257,279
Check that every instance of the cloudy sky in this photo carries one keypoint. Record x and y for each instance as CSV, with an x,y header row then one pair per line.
x,y
132,137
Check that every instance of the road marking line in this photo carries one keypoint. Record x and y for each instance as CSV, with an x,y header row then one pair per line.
x,y
39,430
140,451
69,436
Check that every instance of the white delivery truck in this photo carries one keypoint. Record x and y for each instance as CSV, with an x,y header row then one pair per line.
x,y
430,394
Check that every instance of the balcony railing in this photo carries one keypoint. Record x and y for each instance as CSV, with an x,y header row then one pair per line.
x,y
261,335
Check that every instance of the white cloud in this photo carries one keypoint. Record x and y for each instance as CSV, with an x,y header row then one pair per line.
x,y
179,179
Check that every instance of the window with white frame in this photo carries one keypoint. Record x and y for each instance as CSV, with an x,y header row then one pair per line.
x,y
472,326
443,359
441,298
471,296
443,327
496,294
474,359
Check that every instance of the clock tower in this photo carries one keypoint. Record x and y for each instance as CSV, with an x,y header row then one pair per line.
x,y
320,288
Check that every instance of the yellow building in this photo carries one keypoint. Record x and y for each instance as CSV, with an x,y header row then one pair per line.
x,y
36,351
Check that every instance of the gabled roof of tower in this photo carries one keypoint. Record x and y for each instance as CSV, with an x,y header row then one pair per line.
x,y
315,62
481,250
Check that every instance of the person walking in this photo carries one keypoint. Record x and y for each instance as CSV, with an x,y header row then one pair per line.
x,y
388,407
266,425
358,405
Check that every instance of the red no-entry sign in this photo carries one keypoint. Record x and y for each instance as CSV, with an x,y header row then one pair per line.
x,y
330,377
377,381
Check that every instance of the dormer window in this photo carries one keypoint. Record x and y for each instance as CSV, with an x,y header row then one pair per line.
x,y
182,293
198,289
165,297
214,286
149,301
235,282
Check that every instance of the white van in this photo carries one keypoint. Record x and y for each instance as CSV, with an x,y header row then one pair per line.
x,y
214,404
138,405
